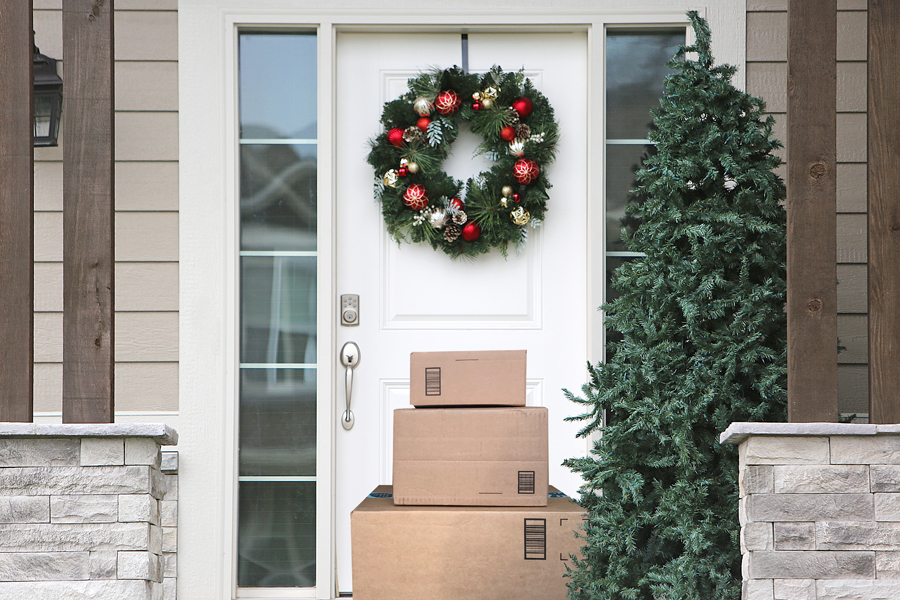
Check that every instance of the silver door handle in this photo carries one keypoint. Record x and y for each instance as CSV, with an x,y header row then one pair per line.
x,y
349,358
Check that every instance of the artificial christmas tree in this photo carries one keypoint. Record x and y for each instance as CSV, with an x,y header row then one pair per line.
x,y
699,341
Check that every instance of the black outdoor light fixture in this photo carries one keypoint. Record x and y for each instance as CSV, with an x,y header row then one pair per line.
x,y
48,87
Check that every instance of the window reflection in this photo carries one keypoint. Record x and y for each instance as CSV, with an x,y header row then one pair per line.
x,y
635,72
278,197
277,534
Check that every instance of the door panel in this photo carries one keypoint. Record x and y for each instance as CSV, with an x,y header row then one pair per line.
x,y
415,299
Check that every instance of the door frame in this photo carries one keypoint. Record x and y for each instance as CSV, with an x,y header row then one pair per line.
x,y
208,318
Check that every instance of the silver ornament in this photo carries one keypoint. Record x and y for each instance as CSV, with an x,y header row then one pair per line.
x,y
423,106
438,218
517,147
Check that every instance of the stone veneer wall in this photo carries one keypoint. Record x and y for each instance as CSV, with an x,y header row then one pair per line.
x,y
87,512
819,510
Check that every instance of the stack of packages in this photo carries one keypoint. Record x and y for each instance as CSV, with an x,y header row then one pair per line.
x,y
471,514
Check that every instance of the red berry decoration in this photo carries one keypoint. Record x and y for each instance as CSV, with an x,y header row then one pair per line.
x,y
525,170
447,102
471,232
416,196
395,136
457,204
476,106
522,106
508,133
423,123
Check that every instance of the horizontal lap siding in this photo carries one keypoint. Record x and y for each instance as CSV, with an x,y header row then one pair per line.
x,y
767,78
146,191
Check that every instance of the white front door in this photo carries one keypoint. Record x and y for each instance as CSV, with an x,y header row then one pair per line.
x,y
412,298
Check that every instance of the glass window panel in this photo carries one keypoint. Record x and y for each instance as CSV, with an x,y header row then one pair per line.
x,y
278,85
278,197
622,161
278,422
278,309
635,72
277,534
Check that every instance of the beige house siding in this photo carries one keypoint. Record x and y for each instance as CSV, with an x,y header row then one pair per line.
x,y
146,346
767,77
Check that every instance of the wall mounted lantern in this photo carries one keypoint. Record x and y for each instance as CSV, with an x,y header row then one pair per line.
x,y
48,87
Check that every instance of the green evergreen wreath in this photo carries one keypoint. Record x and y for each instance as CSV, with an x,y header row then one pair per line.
x,y
422,203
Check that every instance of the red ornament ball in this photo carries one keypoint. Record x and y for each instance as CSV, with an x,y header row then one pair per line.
x,y
395,136
457,204
525,171
447,102
471,232
416,196
508,133
522,106
423,123
476,106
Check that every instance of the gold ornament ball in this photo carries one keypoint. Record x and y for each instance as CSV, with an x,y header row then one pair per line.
x,y
487,103
506,190
413,167
391,178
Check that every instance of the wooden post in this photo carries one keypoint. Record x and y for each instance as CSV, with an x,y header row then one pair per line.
x,y
811,211
88,212
16,213
884,211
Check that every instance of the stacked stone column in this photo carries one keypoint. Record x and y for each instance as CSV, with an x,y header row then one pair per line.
x,y
86,512
819,510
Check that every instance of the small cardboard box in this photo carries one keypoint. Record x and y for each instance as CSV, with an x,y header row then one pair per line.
x,y
478,378
462,553
485,456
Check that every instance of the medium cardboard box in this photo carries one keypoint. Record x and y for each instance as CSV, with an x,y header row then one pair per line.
x,y
478,378
462,553
485,456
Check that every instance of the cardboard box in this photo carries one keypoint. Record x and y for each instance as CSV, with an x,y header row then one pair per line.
x,y
483,378
470,456
462,553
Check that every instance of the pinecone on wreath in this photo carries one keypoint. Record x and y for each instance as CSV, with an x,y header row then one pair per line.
x,y
451,232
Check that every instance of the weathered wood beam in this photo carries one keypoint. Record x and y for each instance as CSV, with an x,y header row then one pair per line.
x,y
811,211
88,212
884,211
16,213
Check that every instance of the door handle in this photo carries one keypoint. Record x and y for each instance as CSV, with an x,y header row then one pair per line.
x,y
349,358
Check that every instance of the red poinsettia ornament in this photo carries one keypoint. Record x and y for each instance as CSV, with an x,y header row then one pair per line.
x,y
447,102
416,196
525,171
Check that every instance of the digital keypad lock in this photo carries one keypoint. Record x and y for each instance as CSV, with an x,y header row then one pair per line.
x,y
349,309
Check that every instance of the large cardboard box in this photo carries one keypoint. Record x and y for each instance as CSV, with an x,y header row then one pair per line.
x,y
470,456
479,378
462,553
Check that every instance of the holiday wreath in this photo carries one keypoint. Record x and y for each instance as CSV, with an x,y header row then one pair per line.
x,y
422,203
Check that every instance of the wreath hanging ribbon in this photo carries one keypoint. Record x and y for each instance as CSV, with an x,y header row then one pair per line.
x,y
422,203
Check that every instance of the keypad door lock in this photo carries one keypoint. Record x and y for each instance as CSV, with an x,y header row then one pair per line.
x,y
349,309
